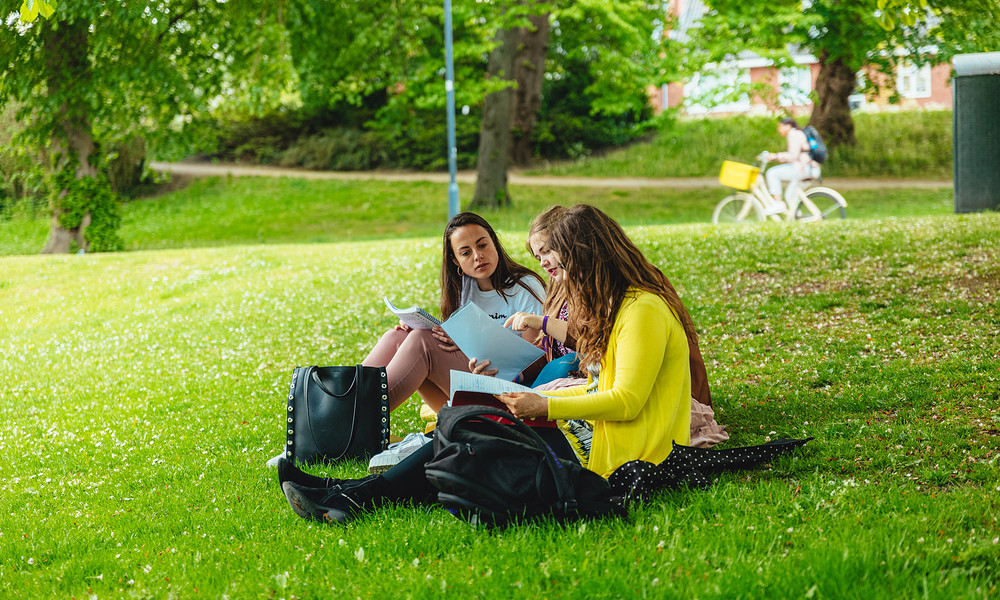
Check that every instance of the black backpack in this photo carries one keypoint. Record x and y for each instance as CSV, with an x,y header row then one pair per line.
x,y
817,149
494,473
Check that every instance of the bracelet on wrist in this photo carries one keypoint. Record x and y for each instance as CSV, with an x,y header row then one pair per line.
x,y
545,322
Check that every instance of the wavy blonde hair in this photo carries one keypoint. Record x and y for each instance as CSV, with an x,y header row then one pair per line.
x,y
601,264
541,225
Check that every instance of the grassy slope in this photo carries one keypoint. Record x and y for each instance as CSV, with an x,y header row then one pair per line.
x,y
238,211
141,393
221,212
916,144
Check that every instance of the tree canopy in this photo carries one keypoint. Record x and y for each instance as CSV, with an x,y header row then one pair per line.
x,y
156,68
93,73
845,37
88,75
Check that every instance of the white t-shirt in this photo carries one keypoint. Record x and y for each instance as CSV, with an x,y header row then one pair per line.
x,y
515,299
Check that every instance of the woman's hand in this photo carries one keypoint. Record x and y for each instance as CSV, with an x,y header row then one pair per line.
x,y
521,321
480,368
403,327
526,405
446,343
529,325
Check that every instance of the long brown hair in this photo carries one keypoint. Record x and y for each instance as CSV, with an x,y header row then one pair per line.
x,y
601,264
555,292
507,274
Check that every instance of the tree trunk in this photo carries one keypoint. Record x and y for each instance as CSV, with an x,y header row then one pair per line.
x,y
494,133
529,72
832,113
72,139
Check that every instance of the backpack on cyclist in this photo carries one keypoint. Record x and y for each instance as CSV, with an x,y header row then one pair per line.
x,y
817,149
497,473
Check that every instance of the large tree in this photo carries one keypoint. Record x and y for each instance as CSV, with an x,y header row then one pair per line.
x,y
529,75
608,48
495,130
845,36
93,73
389,61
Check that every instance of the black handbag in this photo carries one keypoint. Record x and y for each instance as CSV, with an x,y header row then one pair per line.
x,y
336,413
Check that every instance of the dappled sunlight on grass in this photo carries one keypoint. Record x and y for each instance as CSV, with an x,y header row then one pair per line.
x,y
141,393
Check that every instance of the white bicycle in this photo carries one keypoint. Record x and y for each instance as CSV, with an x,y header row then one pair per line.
x,y
753,203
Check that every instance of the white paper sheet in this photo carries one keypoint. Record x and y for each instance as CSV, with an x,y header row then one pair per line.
x,y
463,381
479,336
415,317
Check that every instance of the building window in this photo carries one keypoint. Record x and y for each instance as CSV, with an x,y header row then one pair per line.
x,y
718,90
913,81
795,86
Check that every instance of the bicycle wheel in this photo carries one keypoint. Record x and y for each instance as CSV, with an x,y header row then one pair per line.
x,y
829,204
738,208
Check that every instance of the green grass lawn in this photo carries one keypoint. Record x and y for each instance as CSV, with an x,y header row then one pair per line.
x,y
248,211
141,393
908,144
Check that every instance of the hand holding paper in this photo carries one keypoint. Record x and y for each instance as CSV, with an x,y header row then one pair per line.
x,y
526,405
479,336
469,388
470,382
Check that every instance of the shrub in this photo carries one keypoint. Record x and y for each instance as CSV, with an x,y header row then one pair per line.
x,y
74,198
418,138
337,149
22,178
259,139
125,167
567,126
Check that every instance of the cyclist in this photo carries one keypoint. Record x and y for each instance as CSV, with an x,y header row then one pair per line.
x,y
796,166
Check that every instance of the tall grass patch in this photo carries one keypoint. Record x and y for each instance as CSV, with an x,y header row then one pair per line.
x,y
910,144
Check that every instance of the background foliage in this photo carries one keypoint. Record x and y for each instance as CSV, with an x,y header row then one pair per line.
x,y
238,211
381,103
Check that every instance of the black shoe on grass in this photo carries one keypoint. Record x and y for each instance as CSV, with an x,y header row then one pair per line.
x,y
289,472
336,504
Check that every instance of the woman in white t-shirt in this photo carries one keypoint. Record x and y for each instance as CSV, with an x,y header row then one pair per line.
x,y
475,268
797,164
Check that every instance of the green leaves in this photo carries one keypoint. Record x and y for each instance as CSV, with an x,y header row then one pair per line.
x,y
30,9
908,12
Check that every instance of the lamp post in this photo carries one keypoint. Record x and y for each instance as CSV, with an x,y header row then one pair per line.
x,y
449,87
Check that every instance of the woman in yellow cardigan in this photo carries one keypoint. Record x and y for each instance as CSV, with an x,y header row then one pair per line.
x,y
633,335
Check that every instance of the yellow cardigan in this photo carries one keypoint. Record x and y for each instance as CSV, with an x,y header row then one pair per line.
x,y
643,397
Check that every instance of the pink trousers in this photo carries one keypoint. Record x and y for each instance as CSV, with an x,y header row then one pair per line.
x,y
415,362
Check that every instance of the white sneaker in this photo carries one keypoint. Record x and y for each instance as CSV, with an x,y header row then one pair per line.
x,y
391,457
273,462
775,209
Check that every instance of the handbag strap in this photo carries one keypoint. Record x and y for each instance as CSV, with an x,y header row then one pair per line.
x,y
313,376
319,382
564,485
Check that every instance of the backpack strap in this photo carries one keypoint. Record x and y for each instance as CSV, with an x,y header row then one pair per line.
x,y
449,417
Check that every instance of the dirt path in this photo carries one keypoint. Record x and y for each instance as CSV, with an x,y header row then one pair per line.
x,y
514,178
